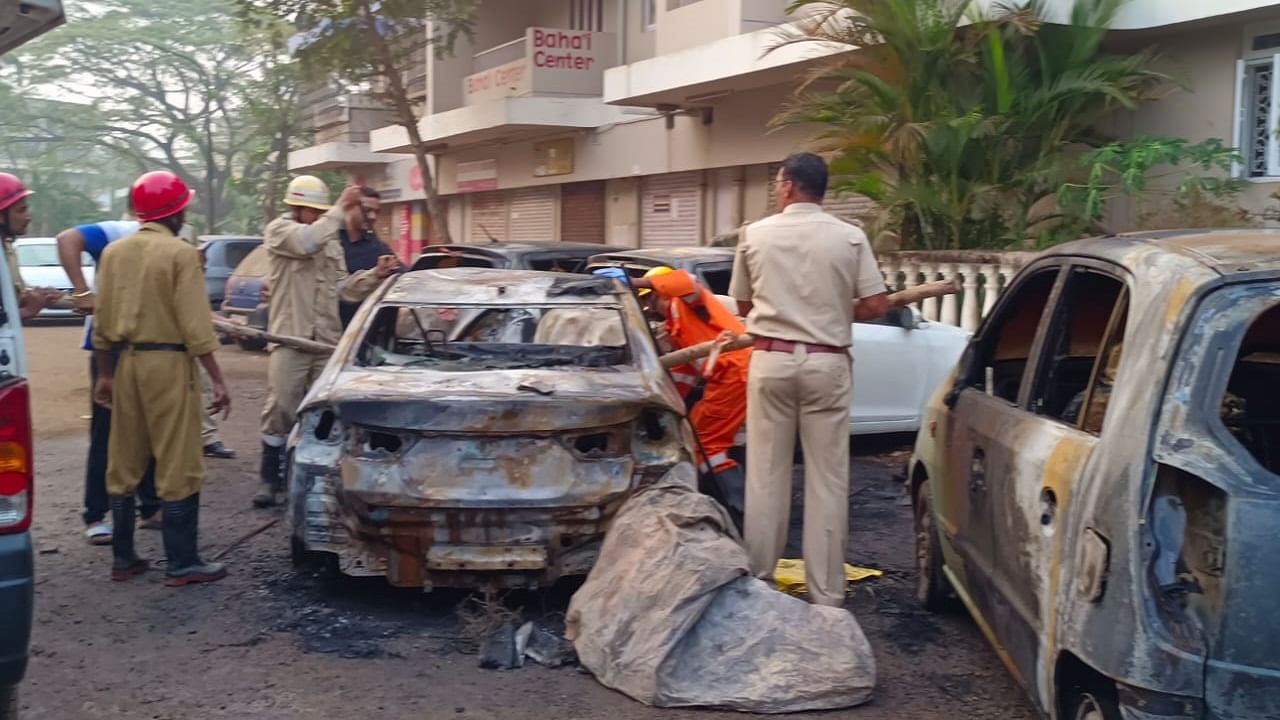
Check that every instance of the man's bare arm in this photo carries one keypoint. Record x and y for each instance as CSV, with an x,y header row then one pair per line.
x,y
70,250
871,307
221,397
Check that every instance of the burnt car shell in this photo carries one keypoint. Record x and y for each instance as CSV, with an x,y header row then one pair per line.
x,y
493,477
1137,562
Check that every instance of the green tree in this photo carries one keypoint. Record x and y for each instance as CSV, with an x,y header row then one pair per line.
x,y
375,45
966,126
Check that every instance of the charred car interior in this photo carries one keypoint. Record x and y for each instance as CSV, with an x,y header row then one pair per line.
x,y
480,428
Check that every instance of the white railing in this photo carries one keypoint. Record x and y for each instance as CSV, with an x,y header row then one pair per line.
x,y
982,277
509,51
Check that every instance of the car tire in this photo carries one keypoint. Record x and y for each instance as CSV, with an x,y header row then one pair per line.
x,y
9,703
251,344
932,589
1087,704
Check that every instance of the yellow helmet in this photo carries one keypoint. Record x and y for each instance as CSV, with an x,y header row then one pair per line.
x,y
658,271
307,191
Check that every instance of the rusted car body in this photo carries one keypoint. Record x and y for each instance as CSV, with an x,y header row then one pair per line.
x,y
1098,482
480,428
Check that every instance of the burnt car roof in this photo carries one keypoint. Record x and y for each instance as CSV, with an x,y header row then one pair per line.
x,y
1206,252
489,286
514,248
666,255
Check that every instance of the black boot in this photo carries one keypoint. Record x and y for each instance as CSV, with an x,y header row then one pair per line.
x,y
732,486
272,477
181,532
125,563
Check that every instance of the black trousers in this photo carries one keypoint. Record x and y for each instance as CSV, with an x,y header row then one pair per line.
x,y
96,502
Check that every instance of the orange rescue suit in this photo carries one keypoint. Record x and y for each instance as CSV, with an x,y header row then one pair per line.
x,y
722,411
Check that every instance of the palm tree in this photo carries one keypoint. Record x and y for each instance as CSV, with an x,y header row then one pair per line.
x,y
958,122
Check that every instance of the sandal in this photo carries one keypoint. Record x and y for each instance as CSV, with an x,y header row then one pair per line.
x,y
99,533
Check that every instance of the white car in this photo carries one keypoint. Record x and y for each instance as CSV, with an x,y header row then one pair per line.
x,y
39,265
898,360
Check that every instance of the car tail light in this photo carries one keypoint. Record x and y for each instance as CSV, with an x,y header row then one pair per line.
x,y
226,288
16,486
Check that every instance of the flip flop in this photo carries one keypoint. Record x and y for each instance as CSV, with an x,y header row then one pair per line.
x,y
99,533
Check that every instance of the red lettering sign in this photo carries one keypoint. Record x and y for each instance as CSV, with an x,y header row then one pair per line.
x,y
415,178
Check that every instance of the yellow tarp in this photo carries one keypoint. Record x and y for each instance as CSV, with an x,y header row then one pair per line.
x,y
789,574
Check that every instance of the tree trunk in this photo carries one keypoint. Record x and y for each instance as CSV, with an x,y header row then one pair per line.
x,y
399,96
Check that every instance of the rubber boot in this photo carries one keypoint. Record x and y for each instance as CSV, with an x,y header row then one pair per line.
x,y
125,562
272,477
181,537
732,484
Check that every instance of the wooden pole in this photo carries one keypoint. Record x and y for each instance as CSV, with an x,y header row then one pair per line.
x,y
297,343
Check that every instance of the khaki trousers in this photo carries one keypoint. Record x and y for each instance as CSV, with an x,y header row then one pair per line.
x,y
290,374
808,393
155,412
208,421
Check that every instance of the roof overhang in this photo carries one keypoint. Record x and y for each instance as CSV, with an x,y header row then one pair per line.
x,y
503,119
699,75
335,156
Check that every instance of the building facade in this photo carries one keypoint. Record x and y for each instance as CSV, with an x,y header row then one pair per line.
x,y
646,122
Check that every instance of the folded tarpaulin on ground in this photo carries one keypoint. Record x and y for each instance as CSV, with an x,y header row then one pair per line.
x,y
671,616
790,579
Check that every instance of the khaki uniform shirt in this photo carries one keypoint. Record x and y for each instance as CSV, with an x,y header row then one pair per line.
x,y
11,258
151,289
803,269
309,275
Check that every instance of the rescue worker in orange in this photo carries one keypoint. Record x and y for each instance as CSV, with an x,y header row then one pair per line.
x,y
694,315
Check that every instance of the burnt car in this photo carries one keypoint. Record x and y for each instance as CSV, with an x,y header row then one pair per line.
x,y
480,428
1099,482
542,256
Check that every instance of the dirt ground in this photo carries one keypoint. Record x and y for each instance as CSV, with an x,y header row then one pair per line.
x,y
269,642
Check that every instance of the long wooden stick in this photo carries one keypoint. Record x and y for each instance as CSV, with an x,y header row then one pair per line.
x,y
896,300
297,343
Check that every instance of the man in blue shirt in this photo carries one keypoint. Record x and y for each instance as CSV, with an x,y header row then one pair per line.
x,y
93,239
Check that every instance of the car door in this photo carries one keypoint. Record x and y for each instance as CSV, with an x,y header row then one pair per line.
x,y
889,363
983,402
1035,454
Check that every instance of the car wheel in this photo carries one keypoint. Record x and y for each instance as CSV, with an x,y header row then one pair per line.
x,y
9,703
251,344
1088,705
932,589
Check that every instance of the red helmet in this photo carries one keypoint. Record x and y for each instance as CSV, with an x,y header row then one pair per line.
x,y
159,194
11,190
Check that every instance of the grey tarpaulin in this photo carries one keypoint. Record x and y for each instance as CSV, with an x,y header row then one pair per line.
x,y
671,616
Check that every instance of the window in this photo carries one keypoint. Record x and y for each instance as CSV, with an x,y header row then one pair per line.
x,y
236,252
1250,408
586,15
1082,350
1258,104
1002,351
648,14
45,256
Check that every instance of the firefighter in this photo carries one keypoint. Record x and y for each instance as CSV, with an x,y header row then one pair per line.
x,y
15,216
308,278
153,309
694,315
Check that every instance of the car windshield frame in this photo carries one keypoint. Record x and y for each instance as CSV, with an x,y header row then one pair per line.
x,y
452,354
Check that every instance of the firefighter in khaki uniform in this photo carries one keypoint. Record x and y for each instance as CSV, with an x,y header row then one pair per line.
x,y
801,278
308,277
694,315
153,309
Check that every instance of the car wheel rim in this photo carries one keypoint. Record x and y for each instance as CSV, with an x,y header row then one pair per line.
x,y
1088,709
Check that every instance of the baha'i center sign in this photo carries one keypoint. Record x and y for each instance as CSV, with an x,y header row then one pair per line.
x,y
552,62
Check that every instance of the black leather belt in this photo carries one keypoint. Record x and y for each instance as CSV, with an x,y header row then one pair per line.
x,y
152,347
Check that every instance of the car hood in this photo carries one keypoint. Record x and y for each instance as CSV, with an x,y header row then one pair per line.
x,y
500,401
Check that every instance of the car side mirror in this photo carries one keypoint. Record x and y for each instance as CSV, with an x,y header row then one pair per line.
x,y
903,317
963,369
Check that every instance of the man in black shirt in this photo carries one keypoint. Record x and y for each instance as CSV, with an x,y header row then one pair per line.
x,y
362,253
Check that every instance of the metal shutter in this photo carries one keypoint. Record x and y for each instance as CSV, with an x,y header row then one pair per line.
x,y
582,212
672,210
532,214
488,217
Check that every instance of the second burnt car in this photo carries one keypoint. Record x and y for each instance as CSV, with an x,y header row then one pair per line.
x,y
480,428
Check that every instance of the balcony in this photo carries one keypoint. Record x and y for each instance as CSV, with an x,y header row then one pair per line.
x,y
690,23
548,79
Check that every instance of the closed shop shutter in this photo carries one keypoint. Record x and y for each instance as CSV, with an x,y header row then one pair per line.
x,y
582,212
856,209
672,210
488,217
532,214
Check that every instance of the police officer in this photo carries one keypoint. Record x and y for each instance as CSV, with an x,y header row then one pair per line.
x,y
153,308
801,278
308,277
15,217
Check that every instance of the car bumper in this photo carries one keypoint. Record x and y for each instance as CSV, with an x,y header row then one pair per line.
x,y
17,583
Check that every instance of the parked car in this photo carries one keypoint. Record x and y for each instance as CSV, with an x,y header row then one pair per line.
x,y
480,427
1099,481
899,359
39,266
17,566
245,299
222,255
548,256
